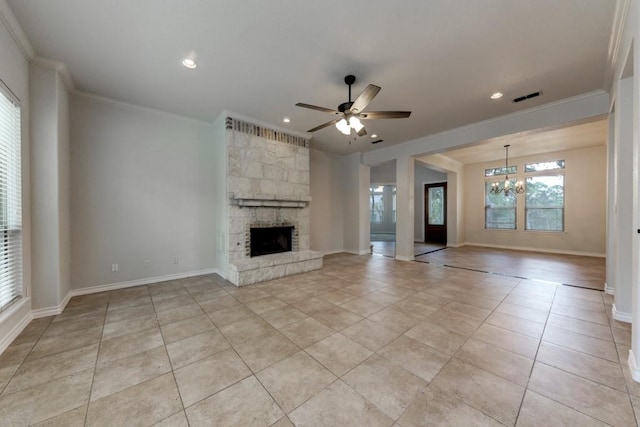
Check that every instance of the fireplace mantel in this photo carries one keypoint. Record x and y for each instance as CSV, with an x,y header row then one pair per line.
x,y
268,201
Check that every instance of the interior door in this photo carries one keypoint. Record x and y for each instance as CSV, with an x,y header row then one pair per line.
x,y
435,215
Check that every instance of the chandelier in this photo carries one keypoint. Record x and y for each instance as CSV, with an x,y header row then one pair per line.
x,y
507,187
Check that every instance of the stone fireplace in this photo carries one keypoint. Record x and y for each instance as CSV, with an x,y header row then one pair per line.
x,y
267,204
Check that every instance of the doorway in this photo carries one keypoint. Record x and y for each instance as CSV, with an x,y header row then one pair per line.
x,y
435,215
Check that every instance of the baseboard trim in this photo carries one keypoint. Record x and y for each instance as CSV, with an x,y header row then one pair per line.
x,y
608,289
356,252
621,316
337,251
529,249
404,258
631,361
52,311
140,282
19,327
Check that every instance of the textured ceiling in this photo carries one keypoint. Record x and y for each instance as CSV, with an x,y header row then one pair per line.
x,y
440,59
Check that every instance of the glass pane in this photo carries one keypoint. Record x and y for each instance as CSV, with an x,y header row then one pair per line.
x,y
512,170
500,209
545,219
436,205
394,204
544,166
500,218
544,203
376,200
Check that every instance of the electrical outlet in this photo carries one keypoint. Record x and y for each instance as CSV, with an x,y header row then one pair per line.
x,y
114,268
176,260
147,263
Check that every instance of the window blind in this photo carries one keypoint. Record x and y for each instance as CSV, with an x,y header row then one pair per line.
x,y
11,288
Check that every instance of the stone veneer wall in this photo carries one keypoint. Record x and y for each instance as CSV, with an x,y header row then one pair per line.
x,y
267,183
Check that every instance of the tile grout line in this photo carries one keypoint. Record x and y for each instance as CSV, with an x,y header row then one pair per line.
x,y
95,366
570,373
535,358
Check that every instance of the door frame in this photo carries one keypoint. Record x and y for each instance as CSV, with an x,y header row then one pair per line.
x,y
425,217
424,207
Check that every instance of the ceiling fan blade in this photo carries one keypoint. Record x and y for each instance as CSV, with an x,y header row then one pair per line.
x,y
315,107
365,98
362,132
324,125
385,115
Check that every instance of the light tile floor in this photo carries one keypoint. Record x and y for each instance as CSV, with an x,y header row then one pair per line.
x,y
365,341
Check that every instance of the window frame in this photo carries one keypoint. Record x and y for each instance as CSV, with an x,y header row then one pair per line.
x,y
11,278
487,187
539,174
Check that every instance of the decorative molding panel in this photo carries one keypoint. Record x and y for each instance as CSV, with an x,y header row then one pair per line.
x,y
264,132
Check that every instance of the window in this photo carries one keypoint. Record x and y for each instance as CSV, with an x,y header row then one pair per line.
x,y
499,210
394,204
377,204
544,203
501,171
544,166
10,200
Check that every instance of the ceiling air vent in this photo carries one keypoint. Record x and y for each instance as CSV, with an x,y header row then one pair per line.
x,y
525,97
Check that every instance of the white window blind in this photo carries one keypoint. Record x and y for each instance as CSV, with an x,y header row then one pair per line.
x,y
10,201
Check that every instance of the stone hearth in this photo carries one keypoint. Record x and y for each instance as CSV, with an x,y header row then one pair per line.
x,y
267,185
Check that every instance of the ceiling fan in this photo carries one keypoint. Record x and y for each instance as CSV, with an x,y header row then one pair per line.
x,y
351,112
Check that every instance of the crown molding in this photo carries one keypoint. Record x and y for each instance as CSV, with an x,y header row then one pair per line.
x,y
13,26
15,30
60,67
614,58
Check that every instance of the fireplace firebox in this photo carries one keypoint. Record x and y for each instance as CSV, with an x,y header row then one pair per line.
x,y
271,240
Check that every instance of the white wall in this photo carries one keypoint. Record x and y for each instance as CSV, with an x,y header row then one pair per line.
x,y
143,185
326,207
384,173
219,194
585,205
14,73
64,187
50,187
356,179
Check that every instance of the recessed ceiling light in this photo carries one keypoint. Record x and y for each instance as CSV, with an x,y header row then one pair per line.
x,y
497,95
374,135
286,120
189,63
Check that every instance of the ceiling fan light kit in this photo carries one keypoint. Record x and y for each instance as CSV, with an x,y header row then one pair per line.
x,y
351,113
